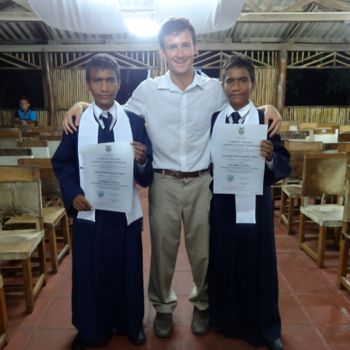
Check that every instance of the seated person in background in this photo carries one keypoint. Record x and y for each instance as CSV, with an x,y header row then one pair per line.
x,y
242,278
24,115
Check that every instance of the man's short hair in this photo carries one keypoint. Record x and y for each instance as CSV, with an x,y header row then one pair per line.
x,y
239,61
102,61
175,25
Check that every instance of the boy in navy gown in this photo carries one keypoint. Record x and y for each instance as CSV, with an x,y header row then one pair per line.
x,y
107,292
242,277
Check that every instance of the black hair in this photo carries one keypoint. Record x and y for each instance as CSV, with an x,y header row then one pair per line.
x,y
102,61
239,61
24,98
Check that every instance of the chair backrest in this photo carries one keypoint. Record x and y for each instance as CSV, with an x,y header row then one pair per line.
x,y
325,130
15,152
32,143
285,125
344,128
344,147
344,136
9,156
323,173
39,148
11,134
303,146
297,150
346,216
20,190
295,135
9,137
307,125
49,183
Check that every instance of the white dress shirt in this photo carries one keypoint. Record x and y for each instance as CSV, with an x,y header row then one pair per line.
x,y
178,122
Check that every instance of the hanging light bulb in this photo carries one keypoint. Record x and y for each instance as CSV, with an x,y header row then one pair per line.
x,y
142,26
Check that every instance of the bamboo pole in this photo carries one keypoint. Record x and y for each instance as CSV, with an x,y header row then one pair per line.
x,y
282,79
48,82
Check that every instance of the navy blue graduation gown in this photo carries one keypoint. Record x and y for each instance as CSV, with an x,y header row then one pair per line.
x,y
107,292
242,275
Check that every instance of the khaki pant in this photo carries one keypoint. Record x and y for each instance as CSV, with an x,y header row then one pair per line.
x,y
173,201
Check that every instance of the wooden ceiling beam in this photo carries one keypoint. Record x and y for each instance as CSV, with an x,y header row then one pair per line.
x,y
254,46
269,17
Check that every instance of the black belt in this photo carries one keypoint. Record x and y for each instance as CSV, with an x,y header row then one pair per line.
x,y
181,174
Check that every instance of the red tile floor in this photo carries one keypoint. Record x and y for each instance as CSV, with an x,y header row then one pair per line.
x,y
315,313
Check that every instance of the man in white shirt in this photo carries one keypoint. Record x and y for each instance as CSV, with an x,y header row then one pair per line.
x,y
177,108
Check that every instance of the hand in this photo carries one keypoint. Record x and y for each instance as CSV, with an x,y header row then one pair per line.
x,y
266,149
81,204
140,152
272,114
76,110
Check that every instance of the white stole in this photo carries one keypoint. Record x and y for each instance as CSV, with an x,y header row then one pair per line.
x,y
245,205
88,135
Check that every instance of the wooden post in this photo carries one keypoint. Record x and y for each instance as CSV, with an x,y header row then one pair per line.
x,y
52,121
282,79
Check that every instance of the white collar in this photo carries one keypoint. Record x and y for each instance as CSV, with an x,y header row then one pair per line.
x,y
99,111
243,112
165,82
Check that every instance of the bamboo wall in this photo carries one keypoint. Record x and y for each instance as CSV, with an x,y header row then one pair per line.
x,y
69,86
68,79
265,91
322,115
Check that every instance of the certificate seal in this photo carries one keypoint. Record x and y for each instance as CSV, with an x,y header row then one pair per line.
x,y
230,178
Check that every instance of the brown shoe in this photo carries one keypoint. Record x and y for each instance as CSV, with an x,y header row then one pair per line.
x,y
163,325
200,321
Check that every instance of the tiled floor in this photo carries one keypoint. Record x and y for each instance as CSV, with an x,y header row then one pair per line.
x,y
315,313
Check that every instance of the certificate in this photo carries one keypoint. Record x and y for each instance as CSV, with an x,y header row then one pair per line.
x,y
238,165
108,175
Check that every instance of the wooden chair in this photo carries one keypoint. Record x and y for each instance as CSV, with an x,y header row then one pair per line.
x,y
9,156
323,175
307,125
344,147
291,186
21,194
295,135
344,136
53,215
3,316
39,148
343,277
326,134
9,137
285,125
53,141
344,128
